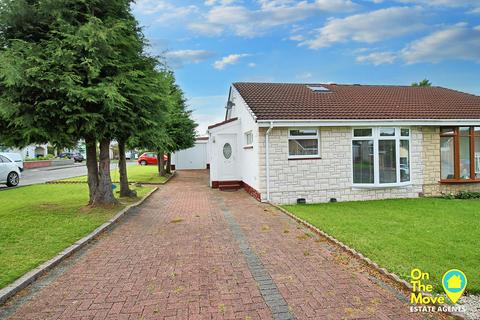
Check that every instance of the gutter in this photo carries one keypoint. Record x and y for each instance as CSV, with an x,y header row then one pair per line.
x,y
267,162
369,122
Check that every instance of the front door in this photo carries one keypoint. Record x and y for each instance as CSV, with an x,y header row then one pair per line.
x,y
227,155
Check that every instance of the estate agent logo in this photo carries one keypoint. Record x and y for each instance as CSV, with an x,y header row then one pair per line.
x,y
422,298
454,282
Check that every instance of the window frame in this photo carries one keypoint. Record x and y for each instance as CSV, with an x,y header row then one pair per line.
x,y
375,137
456,154
306,137
245,136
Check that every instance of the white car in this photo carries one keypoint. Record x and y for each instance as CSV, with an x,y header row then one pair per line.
x,y
9,172
15,157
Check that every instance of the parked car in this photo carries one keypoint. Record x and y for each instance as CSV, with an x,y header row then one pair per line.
x,y
149,158
9,172
65,155
78,157
15,157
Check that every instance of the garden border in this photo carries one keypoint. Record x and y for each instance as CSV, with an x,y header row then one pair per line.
x,y
21,283
391,276
130,182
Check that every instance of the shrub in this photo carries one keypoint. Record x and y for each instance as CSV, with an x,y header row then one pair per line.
x,y
467,195
463,195
46,157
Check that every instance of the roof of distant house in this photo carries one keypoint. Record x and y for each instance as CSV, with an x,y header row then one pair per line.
x,y
288,101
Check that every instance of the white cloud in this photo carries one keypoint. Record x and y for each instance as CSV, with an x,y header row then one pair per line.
x,y
227,60
164,11
177,14
148,7
207,110
247,22
179,58
452,43
455,42
218,2
368,27
475,11
443,3
378,58
207,119
297,37
304,76
252,65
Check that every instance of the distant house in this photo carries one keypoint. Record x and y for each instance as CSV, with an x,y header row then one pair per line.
x,y
29,152
326,142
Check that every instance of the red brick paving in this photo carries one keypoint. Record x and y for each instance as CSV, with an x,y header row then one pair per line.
x,y
177,259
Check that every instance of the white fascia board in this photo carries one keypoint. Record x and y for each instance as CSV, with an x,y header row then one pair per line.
x,y
366,123
225,126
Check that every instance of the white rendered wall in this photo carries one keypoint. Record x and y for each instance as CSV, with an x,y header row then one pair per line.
x,y
248,161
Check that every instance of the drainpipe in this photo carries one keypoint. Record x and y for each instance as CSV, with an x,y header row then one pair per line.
x,y
267,162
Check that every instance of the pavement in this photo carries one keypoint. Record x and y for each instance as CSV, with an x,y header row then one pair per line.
x,y
192,252
42,175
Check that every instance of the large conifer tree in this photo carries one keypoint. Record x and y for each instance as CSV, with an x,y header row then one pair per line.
x,y
64,65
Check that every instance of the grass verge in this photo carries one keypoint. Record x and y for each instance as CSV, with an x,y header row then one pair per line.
x,y
39,221
432,234
136,173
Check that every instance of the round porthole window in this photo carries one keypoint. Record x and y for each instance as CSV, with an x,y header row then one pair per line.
x,y
227,150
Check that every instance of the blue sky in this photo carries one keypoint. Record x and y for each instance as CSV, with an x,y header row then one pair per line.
x,y
212,43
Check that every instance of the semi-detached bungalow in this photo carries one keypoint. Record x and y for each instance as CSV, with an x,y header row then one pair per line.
x,y
319,142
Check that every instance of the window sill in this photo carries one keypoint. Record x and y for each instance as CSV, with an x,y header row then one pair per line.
x,y
381,186
459,181
305,158
248,147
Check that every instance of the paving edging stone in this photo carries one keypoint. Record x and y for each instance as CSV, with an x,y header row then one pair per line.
x,y
25,280
407,286
170,177
130,182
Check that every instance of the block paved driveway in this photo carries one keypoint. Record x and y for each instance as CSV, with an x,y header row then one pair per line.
x,y
191,252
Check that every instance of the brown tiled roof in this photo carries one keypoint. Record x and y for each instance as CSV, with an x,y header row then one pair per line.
x,y
275,101
222,123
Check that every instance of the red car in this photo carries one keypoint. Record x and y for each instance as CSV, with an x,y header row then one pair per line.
x,y
149,158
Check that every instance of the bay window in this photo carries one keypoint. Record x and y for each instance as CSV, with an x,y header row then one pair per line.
x,y
460,154
381,156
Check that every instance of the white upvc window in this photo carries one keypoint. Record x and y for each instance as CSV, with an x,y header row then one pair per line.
x,y
248,138
381,157
303,143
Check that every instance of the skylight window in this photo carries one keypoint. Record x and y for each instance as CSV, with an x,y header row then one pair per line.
x,y
318,89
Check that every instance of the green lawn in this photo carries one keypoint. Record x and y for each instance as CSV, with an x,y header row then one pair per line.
x,y
432,234
37,222
136,173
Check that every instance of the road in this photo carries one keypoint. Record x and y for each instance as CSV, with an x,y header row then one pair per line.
x,y
42,175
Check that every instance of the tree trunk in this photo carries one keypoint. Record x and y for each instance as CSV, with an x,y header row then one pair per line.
x,y
92,167
168,170
104,195
122,168
161,164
